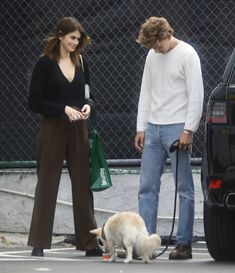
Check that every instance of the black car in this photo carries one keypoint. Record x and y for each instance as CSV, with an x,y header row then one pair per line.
x,y
218,168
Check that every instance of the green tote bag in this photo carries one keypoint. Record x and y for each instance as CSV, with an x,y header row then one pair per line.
x,y
100,178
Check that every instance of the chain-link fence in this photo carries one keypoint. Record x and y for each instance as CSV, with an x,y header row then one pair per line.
x,y
116,61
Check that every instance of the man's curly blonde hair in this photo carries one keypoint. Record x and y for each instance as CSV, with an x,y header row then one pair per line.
x,y
153,29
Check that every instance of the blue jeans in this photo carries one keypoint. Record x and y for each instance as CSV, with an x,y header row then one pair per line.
x,y
158,139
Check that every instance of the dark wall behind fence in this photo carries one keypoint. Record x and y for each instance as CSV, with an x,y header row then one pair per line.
x,y
116,61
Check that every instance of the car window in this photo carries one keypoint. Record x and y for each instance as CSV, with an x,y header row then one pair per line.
x,y
232,82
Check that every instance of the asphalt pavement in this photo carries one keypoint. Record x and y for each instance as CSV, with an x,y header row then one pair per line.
x,y
15,257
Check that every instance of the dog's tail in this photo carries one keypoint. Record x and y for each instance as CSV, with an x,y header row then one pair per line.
x,y
147,244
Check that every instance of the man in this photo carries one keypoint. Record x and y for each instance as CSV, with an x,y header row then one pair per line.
x,y
170,108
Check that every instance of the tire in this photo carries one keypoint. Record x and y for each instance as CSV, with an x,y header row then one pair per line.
x,y
219,227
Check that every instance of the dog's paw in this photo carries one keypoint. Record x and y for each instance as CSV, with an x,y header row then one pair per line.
x,y
127,261
146,259
112,259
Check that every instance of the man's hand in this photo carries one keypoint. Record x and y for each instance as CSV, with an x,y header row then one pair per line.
x,y
139,141
186,140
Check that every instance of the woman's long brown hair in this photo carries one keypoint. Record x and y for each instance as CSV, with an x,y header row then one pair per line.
x,y
62,28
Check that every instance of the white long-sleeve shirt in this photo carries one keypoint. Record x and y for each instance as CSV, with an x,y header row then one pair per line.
x,y
172,88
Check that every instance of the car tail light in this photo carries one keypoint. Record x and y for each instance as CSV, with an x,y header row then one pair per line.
x,y
215,184
217,113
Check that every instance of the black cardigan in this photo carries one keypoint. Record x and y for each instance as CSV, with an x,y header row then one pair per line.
x,y
50,91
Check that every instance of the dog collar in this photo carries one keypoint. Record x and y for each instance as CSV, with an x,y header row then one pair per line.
x,y
102,233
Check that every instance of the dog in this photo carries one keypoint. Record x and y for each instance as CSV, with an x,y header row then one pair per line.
x,y
127,230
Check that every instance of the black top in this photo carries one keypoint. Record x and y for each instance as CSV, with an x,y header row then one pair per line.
x,y
50,91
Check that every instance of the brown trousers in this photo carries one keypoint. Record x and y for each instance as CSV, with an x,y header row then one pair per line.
x,y
60,139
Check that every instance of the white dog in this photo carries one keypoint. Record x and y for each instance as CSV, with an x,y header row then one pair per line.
x,y
127,230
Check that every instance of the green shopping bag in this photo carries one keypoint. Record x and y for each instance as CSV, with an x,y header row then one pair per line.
x,y
100,178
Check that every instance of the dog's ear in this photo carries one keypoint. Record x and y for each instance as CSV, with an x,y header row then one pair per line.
x,y
96,232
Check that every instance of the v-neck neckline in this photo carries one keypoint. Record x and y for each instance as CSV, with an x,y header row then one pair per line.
x,y
65,76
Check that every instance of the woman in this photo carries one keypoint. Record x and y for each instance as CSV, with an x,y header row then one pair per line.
x,y
57,93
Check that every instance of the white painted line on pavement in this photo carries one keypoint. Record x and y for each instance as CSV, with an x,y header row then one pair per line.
x,y
43,259
29,251
42,269
79,256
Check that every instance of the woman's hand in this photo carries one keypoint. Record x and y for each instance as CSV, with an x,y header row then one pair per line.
x,y
86,111
73,114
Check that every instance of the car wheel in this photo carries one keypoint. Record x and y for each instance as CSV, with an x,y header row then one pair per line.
x,y
219,227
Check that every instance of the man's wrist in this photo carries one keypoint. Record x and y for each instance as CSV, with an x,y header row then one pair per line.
x,y
188,132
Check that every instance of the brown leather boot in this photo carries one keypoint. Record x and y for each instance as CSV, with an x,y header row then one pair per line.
x,y
181,252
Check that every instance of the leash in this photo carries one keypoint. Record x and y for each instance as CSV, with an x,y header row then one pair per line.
x,y
174,147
